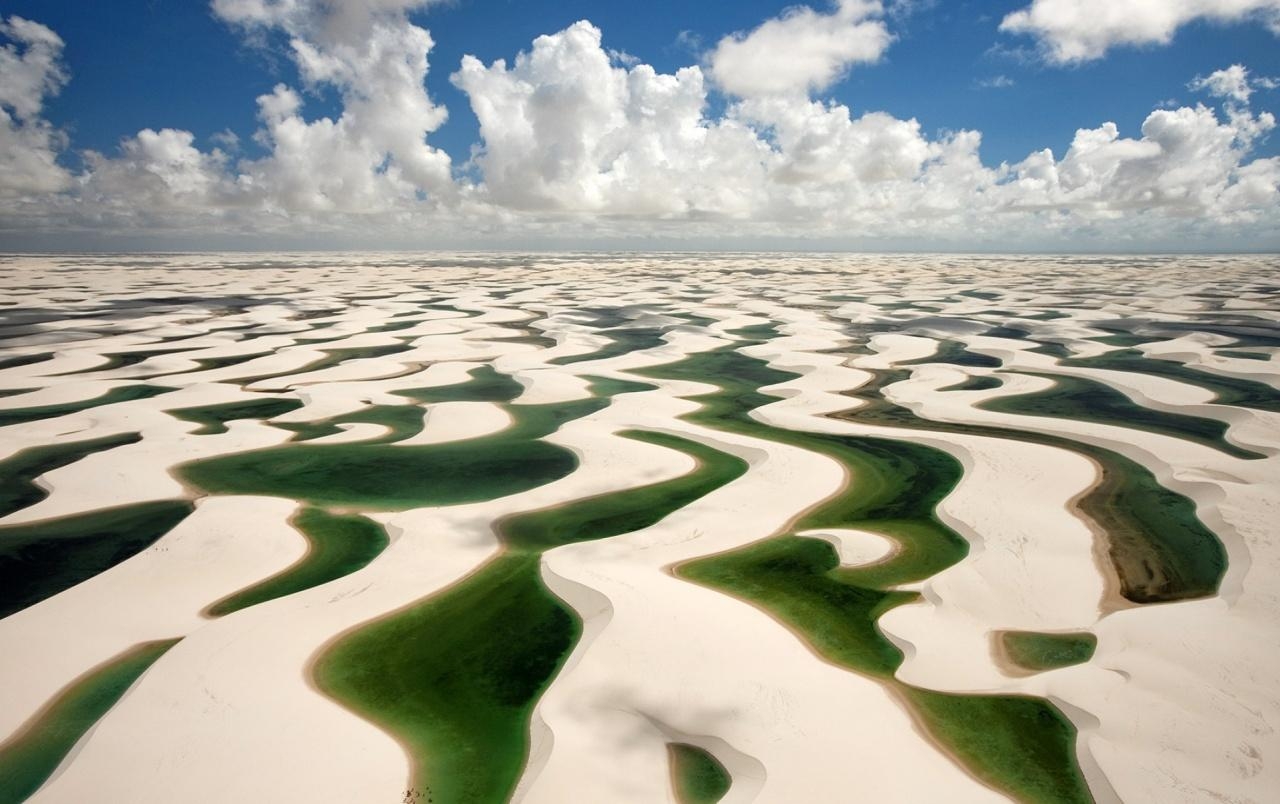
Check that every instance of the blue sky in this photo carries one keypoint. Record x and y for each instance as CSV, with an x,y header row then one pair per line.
x,y
188,65
152,63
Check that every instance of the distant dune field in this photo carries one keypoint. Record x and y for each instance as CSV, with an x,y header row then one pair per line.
x,y
650,527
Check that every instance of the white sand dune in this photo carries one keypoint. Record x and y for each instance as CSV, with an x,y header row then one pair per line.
x,y
1178,704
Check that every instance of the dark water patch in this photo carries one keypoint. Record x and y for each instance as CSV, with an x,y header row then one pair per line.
x,y
696,776
621,342
799,580
1247,331
755,333
1054,349
985,731
332,357
695,319
395,326
226,361
1127,340
18,473
1263,356
116,360
312,315
389,477
456,676
122,393
976,382
612,386
485,385
29,758
1227,390
40,559
381,477
24,360
1085,400
611,317
956,354
213,418
1012,333
1035,651
1160,549
338,545
624,511
401,421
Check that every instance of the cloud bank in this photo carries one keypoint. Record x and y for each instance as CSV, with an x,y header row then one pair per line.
x,y
1082,30
579,144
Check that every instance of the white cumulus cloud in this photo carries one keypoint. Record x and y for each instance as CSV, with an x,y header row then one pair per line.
x,y
579,144
565,129
1082,30
802,51
30,71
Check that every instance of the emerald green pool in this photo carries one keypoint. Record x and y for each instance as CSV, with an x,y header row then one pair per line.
x,y
30,758
1160,549
1088,401
121,393
40,559
18,472
456,676
698,778
1035,651
338,545
1022,746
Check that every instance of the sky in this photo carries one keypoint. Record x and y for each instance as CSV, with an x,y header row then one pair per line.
x,y
916,125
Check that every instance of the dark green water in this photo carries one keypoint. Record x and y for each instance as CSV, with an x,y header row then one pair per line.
x,y
1088,401
1036,652
1160,549
122,393
18,473
405,421
332,357
387,477
377,476
622,341
1019,745
1226,390
117,360
32,757
24,360
338,545
696,775
456,676
976,382
484,385
210,363
956,354
1263,356
401,421
40,559
213,418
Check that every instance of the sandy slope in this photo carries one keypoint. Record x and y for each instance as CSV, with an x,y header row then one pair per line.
x,y
1179,703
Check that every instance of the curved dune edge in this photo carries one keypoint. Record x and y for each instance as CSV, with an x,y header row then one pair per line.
x,y
406,568
637,766
1151,660
115,610
49,740
1109,758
